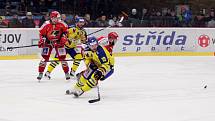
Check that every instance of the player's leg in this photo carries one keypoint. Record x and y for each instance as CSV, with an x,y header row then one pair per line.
x,y
85,76
51,67
46,52
77,58
61,53
87,84
76,63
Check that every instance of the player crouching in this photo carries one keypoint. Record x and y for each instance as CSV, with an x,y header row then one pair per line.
x,y
98,62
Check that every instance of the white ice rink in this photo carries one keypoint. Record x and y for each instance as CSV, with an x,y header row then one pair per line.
x,y
141,89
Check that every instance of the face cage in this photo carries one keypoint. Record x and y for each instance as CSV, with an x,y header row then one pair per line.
x,y
93,47
80,24
55,19
112,40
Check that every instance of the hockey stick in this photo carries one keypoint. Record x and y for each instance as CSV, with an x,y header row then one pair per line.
x,y
63,60
21,46
121,19
59,60
98,98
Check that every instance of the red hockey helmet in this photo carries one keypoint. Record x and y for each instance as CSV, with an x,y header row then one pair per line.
x,y
54,16
112,37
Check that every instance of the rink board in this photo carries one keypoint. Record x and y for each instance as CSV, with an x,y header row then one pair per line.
x,y
131,42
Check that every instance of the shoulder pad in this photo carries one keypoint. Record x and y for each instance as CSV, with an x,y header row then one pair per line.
x,y
44,24
62,22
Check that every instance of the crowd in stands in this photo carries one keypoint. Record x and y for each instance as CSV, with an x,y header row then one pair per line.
x,y
98,13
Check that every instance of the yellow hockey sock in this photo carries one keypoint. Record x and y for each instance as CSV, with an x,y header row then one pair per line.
x,y
52,65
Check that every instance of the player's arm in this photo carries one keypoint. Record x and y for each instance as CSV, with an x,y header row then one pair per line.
x,y
83,36
42,32
87,57
104,58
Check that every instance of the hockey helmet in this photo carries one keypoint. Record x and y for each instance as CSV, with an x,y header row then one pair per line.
x,y
55,16
80,22
92,43
112,37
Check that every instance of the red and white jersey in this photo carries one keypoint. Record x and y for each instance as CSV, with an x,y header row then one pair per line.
x,y
53,32
103,41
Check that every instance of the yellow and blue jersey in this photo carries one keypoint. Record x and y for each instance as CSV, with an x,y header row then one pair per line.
x,y
76,36
101,58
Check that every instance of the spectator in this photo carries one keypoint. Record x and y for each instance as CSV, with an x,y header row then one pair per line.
x,y
186,17
174,19
14,22
114,22
134,14
67,20
102,22
199,20
133,19
3,24
211,23
89,22
44,18
63,18
211,15
28,22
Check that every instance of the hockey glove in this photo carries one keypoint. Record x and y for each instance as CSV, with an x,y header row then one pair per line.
x,y
63,40
41,43
93,66
97,75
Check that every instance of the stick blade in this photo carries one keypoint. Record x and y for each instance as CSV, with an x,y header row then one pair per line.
x,y
94,100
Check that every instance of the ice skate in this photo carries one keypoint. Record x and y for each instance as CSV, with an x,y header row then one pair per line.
x,y
67,76
72,74
75,92
47,75
39,77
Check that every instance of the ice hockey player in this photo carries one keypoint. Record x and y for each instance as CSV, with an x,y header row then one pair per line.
x,y
76,36
98,62
108,43
53,35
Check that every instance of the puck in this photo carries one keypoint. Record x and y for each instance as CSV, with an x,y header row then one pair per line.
x,y
205,86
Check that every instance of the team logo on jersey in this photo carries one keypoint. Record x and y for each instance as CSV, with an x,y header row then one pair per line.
x,y
204,41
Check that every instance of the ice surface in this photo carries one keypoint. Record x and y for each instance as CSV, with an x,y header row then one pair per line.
x,y
141,89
